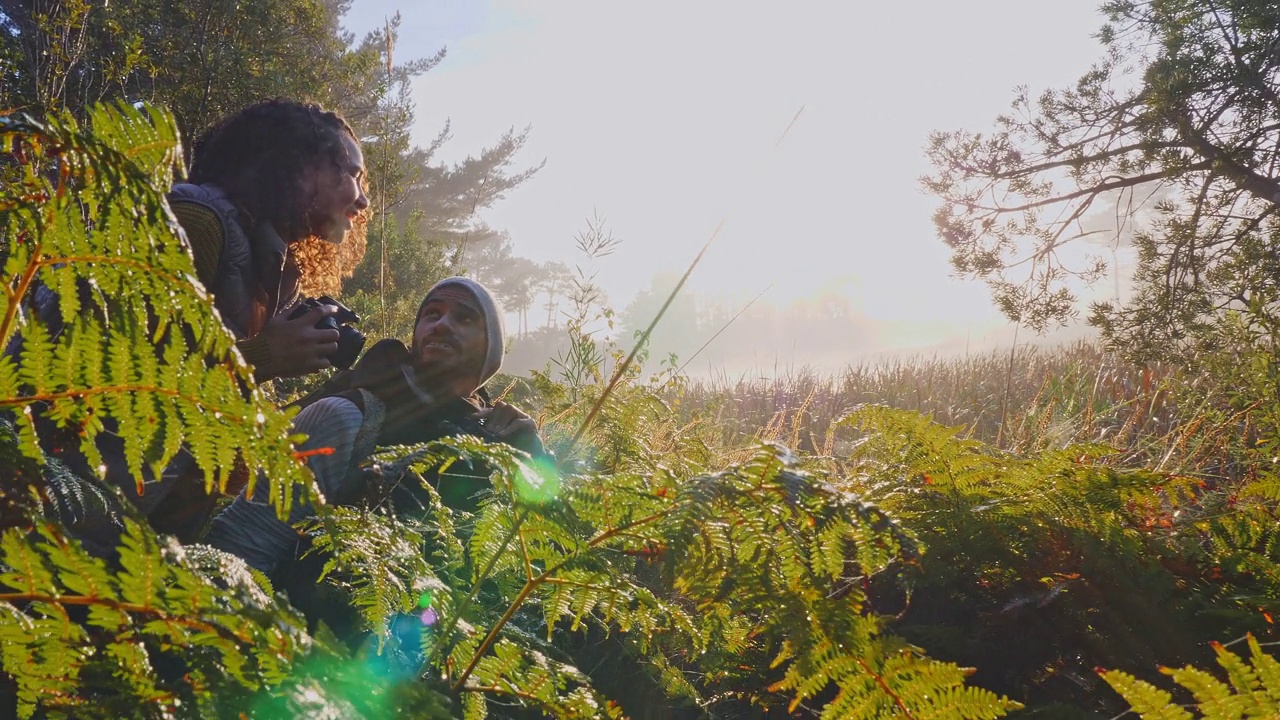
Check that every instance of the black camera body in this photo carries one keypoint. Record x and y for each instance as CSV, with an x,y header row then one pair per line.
x,y
350,340
473,425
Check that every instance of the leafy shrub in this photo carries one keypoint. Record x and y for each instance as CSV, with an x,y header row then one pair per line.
x,y
1254,689
737,586
655,572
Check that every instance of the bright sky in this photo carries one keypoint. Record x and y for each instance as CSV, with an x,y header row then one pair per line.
x,y
663,116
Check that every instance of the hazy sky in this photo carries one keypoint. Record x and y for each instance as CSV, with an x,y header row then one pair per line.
x,y
663,116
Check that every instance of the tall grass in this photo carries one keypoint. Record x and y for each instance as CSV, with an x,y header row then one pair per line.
x,y
1035,399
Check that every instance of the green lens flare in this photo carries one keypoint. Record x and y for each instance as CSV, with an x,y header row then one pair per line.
x,y
537,481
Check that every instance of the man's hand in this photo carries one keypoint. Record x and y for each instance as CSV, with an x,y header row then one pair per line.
x,y
512,426
295,347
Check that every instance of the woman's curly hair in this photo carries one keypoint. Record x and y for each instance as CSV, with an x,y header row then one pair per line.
x,y
259,157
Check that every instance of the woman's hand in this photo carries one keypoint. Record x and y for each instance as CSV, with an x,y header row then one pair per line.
x,y
296,347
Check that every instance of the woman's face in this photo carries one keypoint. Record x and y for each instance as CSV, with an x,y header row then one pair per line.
x,y
337,194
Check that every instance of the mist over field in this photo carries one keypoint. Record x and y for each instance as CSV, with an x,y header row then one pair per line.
x,y
803,131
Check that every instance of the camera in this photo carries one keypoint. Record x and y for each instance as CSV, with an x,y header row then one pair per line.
x,y
350,340
472,425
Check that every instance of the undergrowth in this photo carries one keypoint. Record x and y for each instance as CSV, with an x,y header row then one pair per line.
x,y
678,560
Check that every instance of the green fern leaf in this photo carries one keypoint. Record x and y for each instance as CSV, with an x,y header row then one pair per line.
x,y
1150,702
1268,671
144,572
77,571
474,707
23,568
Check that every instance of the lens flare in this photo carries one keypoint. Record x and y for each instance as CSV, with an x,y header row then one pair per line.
x,y
537,481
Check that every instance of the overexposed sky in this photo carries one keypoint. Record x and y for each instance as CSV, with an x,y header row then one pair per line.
x,y
663,116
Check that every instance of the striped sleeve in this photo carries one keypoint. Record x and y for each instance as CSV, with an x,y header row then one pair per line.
x,y
204,231
330,423
257,353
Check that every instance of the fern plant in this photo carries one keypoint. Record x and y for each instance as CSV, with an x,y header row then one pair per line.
x,y
768,586
186,632
1252,689
150,628
139,342
1043,567
158,602
745,587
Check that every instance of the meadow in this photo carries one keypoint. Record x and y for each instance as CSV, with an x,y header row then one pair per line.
x,y
1021,400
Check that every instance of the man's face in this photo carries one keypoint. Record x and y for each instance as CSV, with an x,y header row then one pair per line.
x,y
337,192
450,340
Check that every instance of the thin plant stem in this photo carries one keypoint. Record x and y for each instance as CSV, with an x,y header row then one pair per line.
x,y
722,329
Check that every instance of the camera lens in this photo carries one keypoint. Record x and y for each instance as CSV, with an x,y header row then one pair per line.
x,y
350,340
350,343
328,323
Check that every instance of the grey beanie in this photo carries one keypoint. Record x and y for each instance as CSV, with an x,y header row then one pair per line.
x,y
492,321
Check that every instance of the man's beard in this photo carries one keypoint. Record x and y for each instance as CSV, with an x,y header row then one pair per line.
x,y
430,375
441,380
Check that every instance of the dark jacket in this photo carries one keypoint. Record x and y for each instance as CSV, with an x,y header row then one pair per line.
x,y
406,415
398,413
254,279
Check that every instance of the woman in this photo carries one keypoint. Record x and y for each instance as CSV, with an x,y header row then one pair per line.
x,y
273,191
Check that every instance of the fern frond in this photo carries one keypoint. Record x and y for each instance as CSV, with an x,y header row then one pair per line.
x,y
1147,700
147,606
148,351
559,690
379,561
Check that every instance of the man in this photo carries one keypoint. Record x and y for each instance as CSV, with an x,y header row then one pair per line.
x,y
399,396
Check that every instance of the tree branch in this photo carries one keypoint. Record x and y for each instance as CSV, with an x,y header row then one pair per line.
x,y
1261,187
